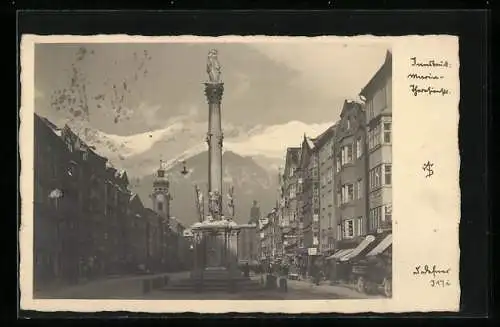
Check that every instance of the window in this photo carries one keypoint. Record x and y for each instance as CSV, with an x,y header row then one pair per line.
x,y
375,178
359,226
161,173
339,231
348,228
329,178
347,193
331,242
387,132
160,206
350,192
291,172
346,154
85,155
360,188
329,220
339,197
388,174
348,124
388,212
315,239
359,148
292,192
375,217
69,144
337,164
374,137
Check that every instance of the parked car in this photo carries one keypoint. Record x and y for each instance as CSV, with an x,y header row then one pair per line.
x,y
373,275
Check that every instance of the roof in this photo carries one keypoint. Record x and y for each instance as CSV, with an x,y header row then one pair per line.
x,y
310,142
385,68
323,137
349,105
292,156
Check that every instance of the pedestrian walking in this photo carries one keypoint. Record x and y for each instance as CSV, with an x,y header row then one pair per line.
x,y
284,278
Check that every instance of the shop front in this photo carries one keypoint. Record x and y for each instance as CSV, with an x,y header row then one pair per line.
x,y
368,266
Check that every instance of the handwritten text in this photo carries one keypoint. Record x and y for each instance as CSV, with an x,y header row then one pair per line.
x,y
439,282
429,63
417,90
430,270
424,73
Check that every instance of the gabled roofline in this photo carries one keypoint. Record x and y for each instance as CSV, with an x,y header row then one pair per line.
x,y
384,69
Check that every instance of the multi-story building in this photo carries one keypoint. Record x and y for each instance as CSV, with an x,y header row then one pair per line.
x,y
135,235
161,197
309,199
325,145
86,221
54,229
154,239
350,175
289,193
265,239
378,99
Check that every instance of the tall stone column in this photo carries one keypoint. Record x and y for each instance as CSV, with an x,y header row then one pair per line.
x,y
213,92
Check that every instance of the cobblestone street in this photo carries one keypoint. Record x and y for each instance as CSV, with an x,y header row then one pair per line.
x,y
131,288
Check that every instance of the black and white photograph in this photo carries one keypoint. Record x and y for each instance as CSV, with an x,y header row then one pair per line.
x,y
237,169
212,171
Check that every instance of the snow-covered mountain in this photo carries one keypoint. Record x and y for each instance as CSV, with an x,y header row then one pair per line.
x,y
250,182
251,159
182,139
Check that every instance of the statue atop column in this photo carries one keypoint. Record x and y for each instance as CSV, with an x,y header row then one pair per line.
x,y
213,67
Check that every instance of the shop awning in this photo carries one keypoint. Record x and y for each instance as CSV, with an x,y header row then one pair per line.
x,y
382,246
339,254
363,245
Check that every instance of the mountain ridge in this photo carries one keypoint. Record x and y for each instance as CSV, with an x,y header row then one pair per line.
x,y
250,182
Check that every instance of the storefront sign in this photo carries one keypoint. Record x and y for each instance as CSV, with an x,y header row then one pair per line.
x,y
312,251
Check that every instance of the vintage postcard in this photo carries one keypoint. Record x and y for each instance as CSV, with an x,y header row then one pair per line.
x,y
239,174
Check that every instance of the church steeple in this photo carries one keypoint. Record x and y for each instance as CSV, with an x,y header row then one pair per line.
x,y
161,192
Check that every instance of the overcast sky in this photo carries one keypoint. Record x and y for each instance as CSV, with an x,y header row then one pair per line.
x,y
265,84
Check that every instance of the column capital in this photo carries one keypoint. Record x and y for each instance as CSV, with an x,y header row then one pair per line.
x,y
213,92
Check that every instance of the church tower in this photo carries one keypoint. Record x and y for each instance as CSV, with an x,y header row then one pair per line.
x,y
161,193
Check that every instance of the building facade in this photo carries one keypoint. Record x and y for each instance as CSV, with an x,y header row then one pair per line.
x,y
86,221
327,220
350,175
378,94
290,229
309,203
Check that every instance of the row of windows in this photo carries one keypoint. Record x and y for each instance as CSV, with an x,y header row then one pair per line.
x,y
327,178
347,153
379,216
350,192
380,134
380,175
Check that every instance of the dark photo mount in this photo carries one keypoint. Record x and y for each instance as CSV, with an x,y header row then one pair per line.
x,y
471,27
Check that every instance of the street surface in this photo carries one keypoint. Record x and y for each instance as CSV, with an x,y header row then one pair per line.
x,y
131,288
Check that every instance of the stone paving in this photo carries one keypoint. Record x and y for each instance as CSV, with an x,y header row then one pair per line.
x,y
131,288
